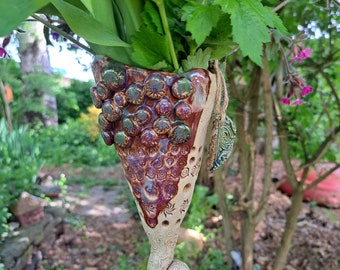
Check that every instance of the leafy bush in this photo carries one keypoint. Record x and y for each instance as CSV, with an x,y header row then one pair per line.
x,y
71,143
73,100
309,125
90,121
201,204
21,161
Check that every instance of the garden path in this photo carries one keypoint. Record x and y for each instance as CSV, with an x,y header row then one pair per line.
x,y
103,231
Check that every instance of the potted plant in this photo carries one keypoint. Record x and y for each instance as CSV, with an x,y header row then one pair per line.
x,y
160,88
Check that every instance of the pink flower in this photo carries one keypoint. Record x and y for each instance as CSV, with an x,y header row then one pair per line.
x,y
5,42
302,55
3,53
285,101
306,90
298,102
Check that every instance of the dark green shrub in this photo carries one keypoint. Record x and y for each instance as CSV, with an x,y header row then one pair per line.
x,y
20,163
73,100
71,143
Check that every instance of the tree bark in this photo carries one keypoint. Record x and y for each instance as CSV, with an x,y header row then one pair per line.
x,y
291,220
35,59
225,212
248,232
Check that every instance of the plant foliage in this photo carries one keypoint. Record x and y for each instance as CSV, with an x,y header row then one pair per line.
x,y
20,163
155,34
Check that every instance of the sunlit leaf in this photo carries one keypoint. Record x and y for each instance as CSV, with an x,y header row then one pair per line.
x,y
87,27
14,12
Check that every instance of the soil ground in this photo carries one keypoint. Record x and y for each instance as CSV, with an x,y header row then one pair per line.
x,y
102,230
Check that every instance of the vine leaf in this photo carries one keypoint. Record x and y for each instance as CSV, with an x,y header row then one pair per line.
x,y
198,15
252,23
199,60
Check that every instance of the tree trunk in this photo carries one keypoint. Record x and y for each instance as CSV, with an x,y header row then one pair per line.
x,y
225,212
291,220
34,60
248,232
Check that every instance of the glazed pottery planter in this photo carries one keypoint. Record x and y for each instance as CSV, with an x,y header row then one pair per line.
x,y
158,123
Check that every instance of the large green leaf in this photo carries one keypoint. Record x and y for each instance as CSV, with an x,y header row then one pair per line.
x,y
87,27
251,22
200,20
150,49
14,12
118,54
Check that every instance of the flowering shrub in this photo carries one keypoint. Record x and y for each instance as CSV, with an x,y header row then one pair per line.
x,y
3,52
90,121
297,88
302,55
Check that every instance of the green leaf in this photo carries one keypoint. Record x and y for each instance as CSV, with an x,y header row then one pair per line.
x,y
118,54
151,18
251,22
84,25
14,12
223,49
220,39
89,5
150,49
200,20
199,60
130,12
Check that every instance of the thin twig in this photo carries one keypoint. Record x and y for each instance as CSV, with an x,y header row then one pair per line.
x,y
281,5
62,33
268,154
322,177
322,148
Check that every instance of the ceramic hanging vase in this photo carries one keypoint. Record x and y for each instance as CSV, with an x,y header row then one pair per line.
x,y
157,122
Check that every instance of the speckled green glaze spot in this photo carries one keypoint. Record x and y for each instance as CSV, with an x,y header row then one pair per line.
x,y
182,88
142,116
102,91
97,102
130,127
111,111
114,79
155,86
180,134
162,125
134,94
121,139
104,123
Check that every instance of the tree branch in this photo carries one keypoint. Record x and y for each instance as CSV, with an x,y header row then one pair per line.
x,y
322,177
284,146
322,148
281,5
62,33
268,154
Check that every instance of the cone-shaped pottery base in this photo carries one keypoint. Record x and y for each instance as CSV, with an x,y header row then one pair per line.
x,y
157,122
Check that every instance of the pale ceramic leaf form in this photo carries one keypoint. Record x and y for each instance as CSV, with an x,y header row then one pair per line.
x,y
226,134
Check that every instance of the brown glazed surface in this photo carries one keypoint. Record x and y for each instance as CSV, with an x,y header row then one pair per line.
x,y
151,117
